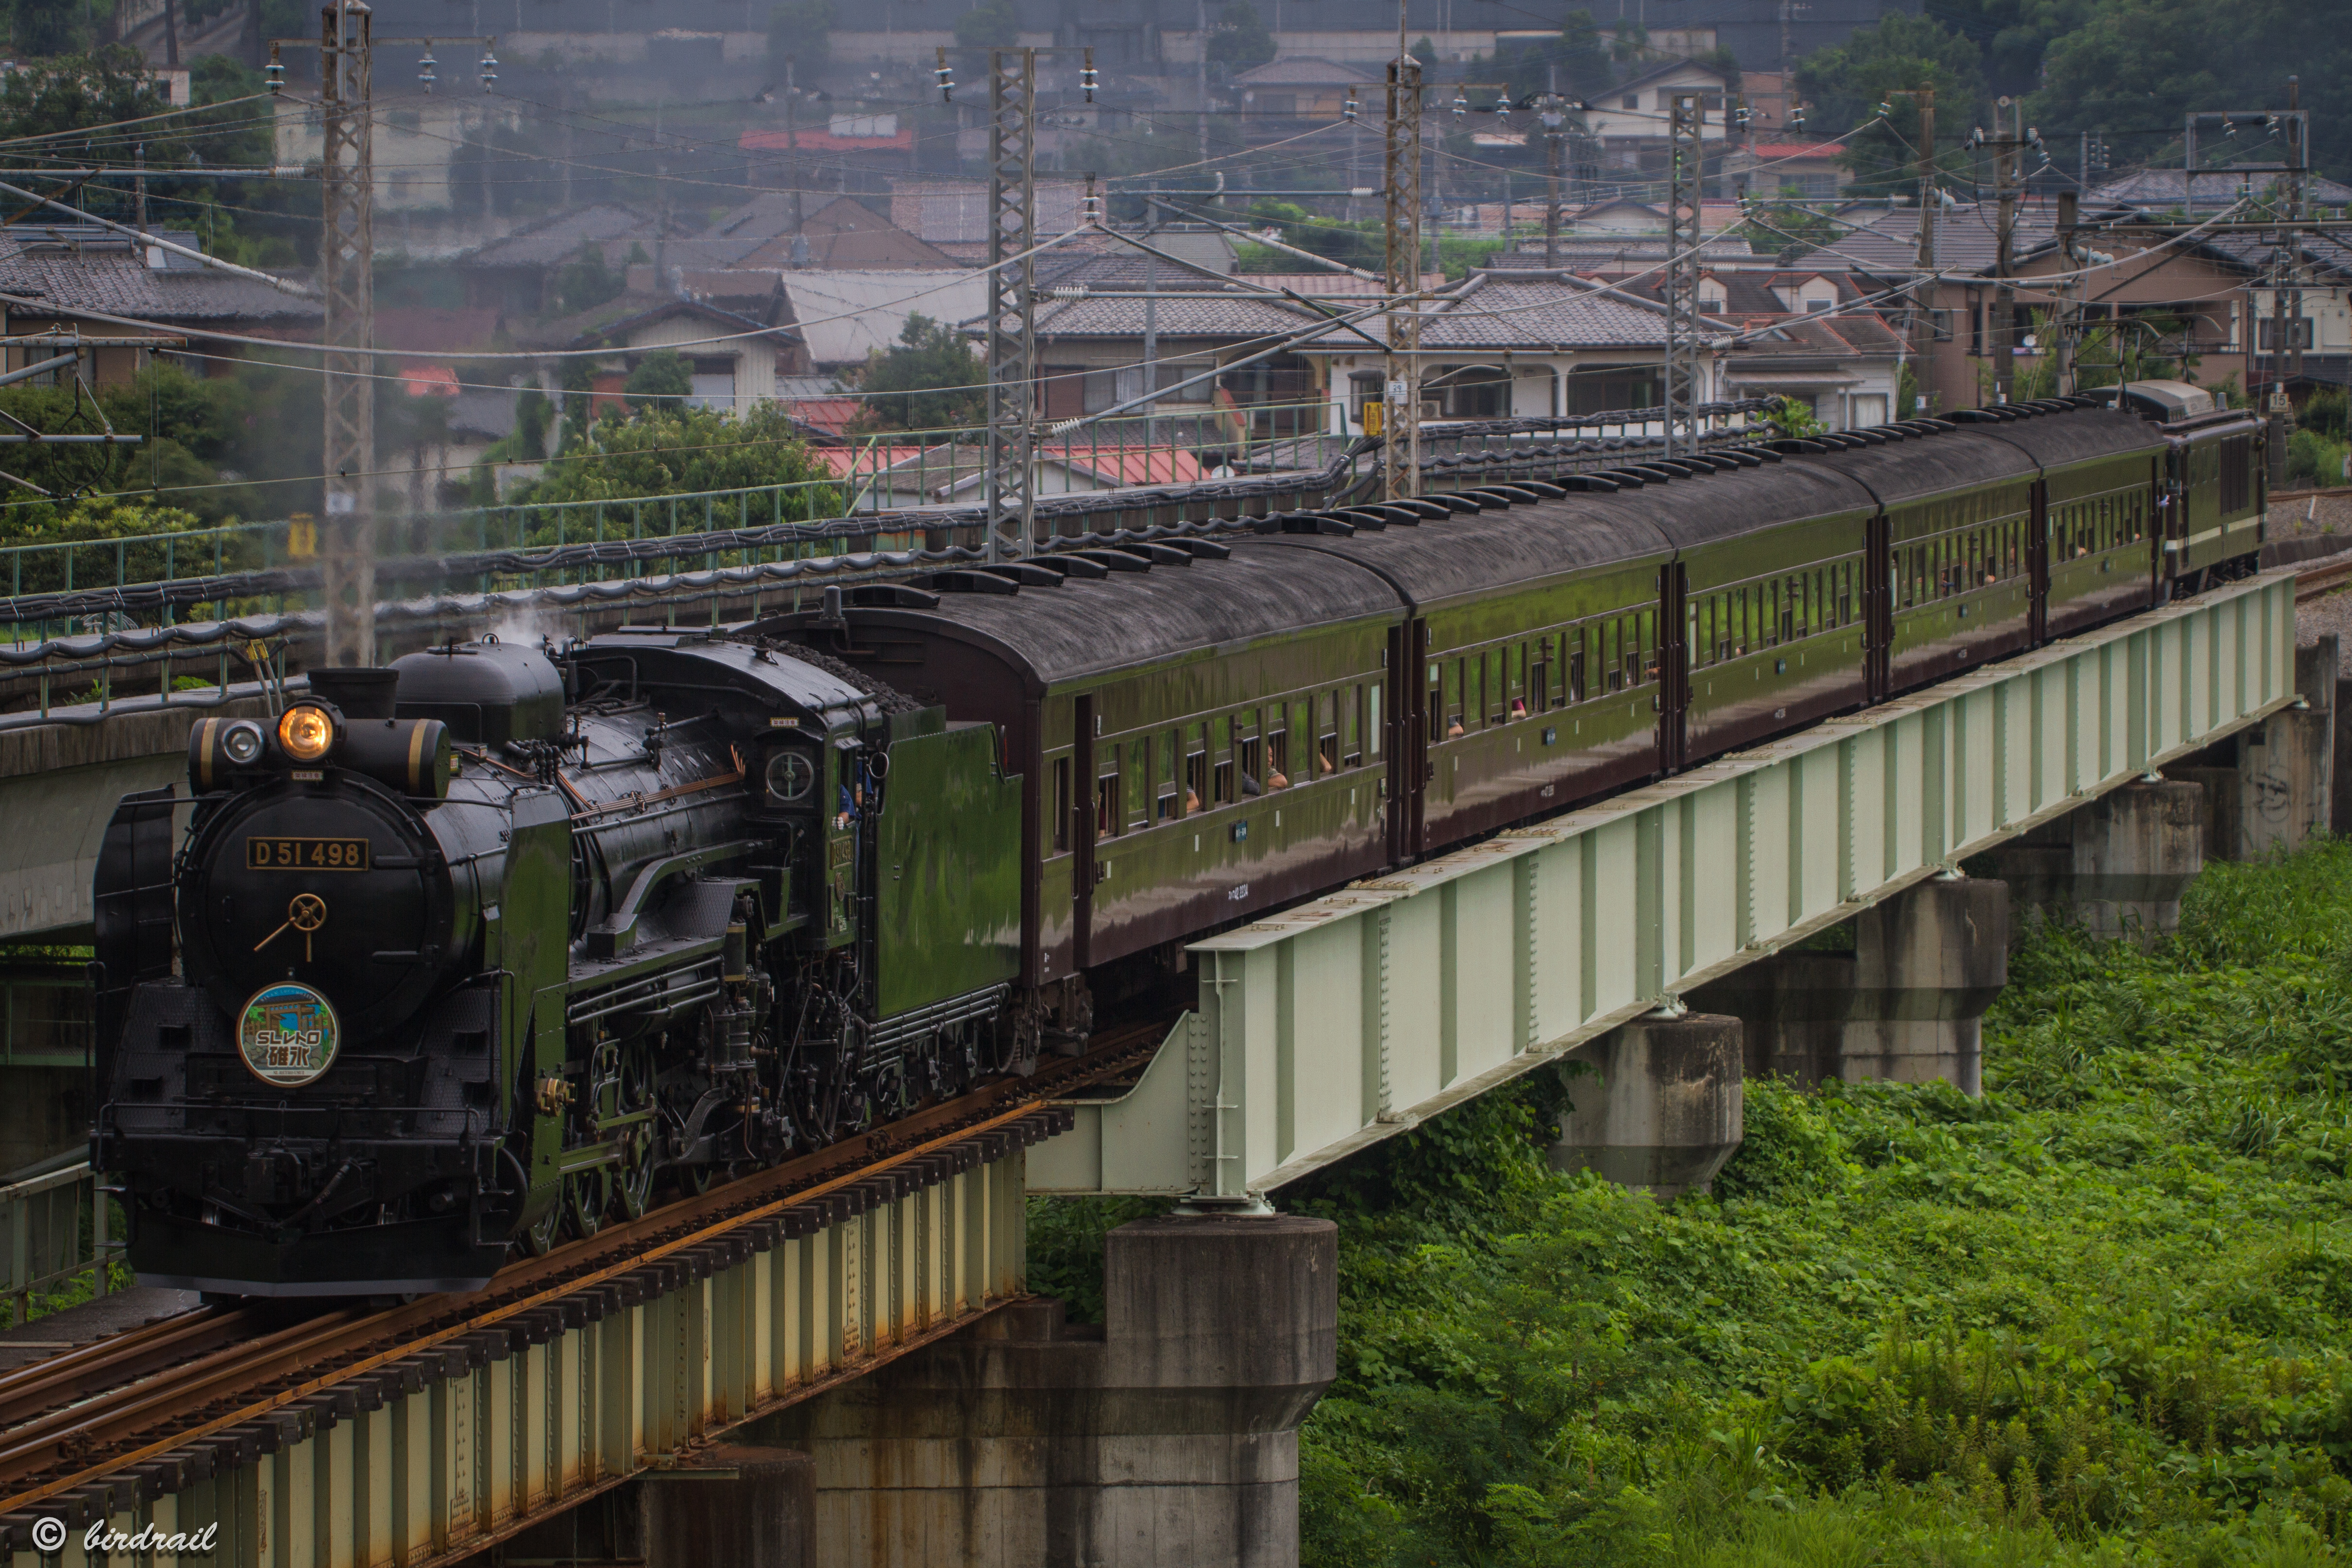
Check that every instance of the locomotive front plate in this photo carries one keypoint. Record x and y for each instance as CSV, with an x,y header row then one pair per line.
x,y
306,854
288,1035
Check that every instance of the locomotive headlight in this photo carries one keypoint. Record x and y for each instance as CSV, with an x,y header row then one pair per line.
x,y
306,734
241,743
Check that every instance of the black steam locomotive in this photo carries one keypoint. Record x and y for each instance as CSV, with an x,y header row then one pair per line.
x,y
477,950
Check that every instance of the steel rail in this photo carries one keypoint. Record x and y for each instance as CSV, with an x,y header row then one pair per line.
x,y
133,1423
2312,584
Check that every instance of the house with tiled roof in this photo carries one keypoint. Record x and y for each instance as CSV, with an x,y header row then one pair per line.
x,y
2191,298
1304,88
1811,336
1516,344
735,357
79,276
1206,350
515,272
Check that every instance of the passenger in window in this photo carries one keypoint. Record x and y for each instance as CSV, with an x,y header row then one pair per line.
x,y
1191,801
1250,784
1327,757
1453,730
1277,779
1518,707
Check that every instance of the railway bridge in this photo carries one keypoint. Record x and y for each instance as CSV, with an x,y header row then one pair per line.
x,y
838,1361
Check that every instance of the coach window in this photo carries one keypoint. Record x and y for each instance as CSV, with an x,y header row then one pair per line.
x,y
1574,644
1540,677
1277,750
1168,743
1139,783
1449,704
1326,734
1253,752
1061,803
1372,720
1351,727
1223,792
1196,768
1106,798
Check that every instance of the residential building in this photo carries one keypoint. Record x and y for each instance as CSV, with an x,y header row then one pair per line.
x,y
736,358
1813,336
1303,88
854,147
1515,344
82,274
516,273
416,144
1639,110
843,317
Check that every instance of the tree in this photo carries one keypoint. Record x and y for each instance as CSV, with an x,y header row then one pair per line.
x,y
933,378
991,24
2135,67
531,412
1577,61
662,380
1845,84
586,282
801,31
1240,39
676,450
1787,223
1424,50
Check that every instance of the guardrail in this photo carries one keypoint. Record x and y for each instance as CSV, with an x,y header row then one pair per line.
x,y
57,1226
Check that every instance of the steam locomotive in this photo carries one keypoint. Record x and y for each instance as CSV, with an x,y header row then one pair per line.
x,y
481,949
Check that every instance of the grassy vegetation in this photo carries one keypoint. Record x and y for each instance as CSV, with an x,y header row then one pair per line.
x,y
2099,1317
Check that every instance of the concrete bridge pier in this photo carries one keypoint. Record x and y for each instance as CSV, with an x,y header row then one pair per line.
x,y
2270,789
1907,1004
1169,1433
1659,1110
2116,867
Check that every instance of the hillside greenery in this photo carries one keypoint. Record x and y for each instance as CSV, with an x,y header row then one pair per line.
x,y
2099,1317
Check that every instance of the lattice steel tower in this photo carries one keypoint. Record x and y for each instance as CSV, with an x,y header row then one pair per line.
x,y
1683,375
1400,449
347,269
1012,497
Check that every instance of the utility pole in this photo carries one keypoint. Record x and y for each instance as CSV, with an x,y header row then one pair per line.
x,y
2298,159
1914,309
2009,139
1684,128
347,269
1555,146
1401,427
1011,500
1200,78
792,138
2070,294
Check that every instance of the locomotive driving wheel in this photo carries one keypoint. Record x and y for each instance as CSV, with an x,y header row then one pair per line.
x,y
633,1185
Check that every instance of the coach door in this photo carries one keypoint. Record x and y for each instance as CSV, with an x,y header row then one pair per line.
x,y
2037,561
1878,605
1417,720
1673,665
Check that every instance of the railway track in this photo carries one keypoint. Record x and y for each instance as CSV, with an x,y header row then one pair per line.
x,y
91,1412
2311,583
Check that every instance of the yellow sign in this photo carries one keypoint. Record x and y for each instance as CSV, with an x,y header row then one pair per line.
x,y
301,537
1373,414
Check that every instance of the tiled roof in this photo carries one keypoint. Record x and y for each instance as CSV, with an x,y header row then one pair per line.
x,y
2160,188
1498,310
902,140
420,330
843,315
1178,315
1302,70
823,418
554,240
613,318
67,272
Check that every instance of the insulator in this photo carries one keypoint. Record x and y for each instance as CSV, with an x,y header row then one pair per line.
x,y
1460,105
1348,108
424,69
490,69
1089,78
276,70
1502,112
945,76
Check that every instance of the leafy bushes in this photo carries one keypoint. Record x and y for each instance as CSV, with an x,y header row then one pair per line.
x,y
2099,1317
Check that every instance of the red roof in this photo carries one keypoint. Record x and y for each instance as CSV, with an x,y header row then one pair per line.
x,y
1798,148
1133,464
428,381
826,415
903,140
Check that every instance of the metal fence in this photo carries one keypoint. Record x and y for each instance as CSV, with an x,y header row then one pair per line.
x,y
59,1224
45,1020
